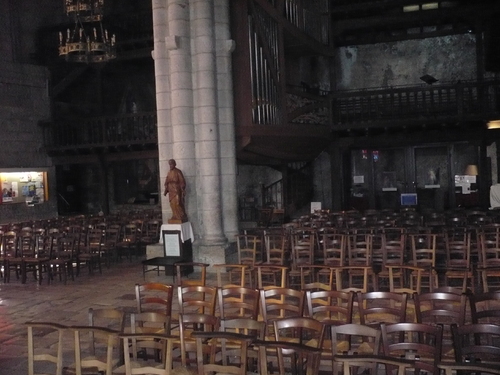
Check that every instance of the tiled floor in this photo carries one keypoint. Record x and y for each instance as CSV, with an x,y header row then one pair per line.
x,y
64,304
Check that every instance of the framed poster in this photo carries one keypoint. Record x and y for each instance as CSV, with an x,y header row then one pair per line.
x,y
172,244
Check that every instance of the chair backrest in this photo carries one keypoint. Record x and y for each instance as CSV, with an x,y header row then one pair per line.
x,y
238,302
334,247
307,358
247,249
423,247
330,306
154,297
359,249
458,249
275,248
303,244
317,277
207,364
478,342
35,355
197,298
183,269
111,318
414,340
189,323
235,274
485,307
279,303
304,330
147,323
245,326
162,343
440,308
271,276
355,338
88,341
382,307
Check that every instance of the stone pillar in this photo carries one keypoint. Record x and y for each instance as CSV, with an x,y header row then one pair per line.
x,y
213,240
225,47
162,82
178,44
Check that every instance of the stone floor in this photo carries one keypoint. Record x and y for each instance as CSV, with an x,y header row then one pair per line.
x,y
64,304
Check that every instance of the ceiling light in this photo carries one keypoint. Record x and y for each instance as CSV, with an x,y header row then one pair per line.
x,y
88,41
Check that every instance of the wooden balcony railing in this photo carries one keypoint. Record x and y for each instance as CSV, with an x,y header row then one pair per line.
x,y
467,101
109,131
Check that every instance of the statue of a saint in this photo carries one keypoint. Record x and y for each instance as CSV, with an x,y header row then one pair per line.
x,y
175,186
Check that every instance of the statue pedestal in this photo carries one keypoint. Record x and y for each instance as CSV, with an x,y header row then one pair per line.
x,y
175,221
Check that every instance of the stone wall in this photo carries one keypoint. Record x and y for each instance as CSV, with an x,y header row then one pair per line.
x,y
447,59
24,102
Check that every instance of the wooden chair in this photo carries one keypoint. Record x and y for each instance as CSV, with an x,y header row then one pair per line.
x,y
148,323
303,246
275,245
90,254
405,279
109,317
444,309
458,260
95,348
349,339
412,341
357,278
485,307
129,241
334,249
271,276
189,323
37,353
162,343
62,256
231,275
477,349
183,269
488,268
393,253
37,257
247,253
376,308
108,249
302,330
317,277
12,260
154,297
246,326
278,303
206,354
238,302
359,261
299,330
330,306
423,247
306,359
197,298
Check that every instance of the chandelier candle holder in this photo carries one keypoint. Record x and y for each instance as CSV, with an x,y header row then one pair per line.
x,y
88,41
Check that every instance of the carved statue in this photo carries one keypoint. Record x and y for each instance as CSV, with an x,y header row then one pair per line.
x,y
175,186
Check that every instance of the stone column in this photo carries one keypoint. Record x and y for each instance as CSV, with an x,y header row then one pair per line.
x,y
225,47
207,129
178,44
162,83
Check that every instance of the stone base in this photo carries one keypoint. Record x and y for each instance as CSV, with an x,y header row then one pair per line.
x,y
211,254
